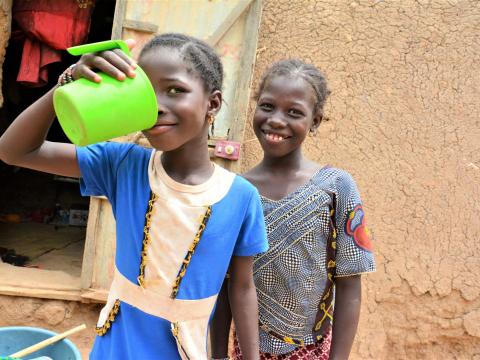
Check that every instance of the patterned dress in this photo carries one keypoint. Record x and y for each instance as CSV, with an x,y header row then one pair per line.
x,y
315,234
174,244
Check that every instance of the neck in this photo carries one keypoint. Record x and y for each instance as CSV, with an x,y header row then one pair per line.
x,y
292,162
189,167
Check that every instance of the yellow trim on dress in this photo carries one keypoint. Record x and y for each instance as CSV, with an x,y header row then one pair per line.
x,y
146,239
191,250
175,331
111,317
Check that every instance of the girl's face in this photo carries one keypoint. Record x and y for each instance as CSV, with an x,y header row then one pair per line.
x,y
284,115
182,100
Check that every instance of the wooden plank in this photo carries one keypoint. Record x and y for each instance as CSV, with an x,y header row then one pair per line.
x,y
105,240
243,86
118,18
24,281
95,295
73,295
142,26
90,243
226,24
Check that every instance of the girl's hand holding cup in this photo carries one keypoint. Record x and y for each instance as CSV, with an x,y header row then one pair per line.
x,y
114,63
115,101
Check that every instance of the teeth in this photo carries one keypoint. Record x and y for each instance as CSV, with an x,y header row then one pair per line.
x,y
274,137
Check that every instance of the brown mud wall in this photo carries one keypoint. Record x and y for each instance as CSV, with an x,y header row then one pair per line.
x,y
55,315
404,120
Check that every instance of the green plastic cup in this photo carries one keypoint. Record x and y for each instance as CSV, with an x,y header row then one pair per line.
x,y
93,112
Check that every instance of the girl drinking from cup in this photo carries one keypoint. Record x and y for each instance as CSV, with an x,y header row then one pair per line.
x,y
180,219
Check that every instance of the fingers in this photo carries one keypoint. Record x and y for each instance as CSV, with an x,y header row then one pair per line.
x,y
132,64
114,63
81,70
131,43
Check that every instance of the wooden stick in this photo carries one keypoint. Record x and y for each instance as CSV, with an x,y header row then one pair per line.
x,y
47,342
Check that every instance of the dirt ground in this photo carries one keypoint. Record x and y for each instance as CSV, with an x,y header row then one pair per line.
x,y
47,248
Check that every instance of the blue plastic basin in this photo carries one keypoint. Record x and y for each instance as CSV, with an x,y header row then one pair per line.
x,y
16,338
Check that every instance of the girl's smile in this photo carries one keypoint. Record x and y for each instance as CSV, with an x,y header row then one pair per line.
x,y
274,137
284,115
160,128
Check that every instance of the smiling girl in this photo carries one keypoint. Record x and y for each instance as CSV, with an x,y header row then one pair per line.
x,y
319,246
180,219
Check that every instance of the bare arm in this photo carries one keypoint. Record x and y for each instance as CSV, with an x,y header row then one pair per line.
x,y
348,298
243,301
220,324
23,143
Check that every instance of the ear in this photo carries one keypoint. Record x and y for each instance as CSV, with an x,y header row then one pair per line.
x,y
316,121
214,102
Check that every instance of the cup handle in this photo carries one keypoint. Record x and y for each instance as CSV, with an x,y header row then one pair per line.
x,y
99,46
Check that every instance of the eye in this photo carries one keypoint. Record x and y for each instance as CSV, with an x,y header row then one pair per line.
x,y
265,106
295,113
174,90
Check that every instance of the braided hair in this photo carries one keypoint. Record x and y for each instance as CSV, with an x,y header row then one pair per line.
x,y
297,68
198,56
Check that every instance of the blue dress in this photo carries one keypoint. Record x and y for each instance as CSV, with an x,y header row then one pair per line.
x,y
173,248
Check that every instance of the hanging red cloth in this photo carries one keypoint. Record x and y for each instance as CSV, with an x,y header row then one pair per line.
x,y
49,27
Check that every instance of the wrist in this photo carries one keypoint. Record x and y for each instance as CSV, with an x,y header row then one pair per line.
x,y
67,76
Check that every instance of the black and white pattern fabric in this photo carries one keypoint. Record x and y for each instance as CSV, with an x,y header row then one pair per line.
x,y
291,276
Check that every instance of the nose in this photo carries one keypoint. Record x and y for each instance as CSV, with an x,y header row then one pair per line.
x,y
275,120
161,102
162,109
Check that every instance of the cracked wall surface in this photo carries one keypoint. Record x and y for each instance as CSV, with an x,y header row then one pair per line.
x,y
55,315
404,120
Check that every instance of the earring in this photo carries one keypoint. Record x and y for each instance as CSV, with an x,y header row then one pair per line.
x,y
313,131
211,123
210,119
